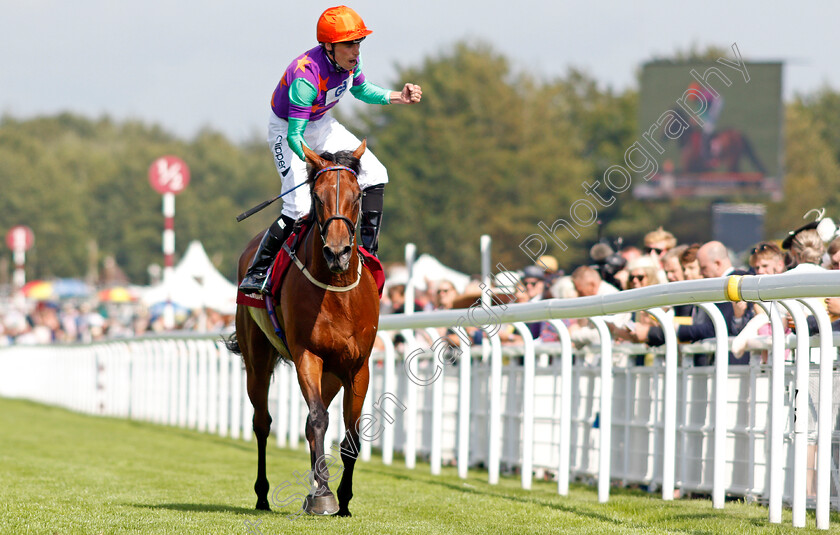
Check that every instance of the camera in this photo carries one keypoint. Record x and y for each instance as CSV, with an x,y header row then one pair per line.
x,y
606,261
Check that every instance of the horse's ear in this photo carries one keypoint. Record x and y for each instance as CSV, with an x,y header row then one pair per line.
x,y
312,157
361,150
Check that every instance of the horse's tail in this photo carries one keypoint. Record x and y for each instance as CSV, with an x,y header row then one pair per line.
x,y
232,344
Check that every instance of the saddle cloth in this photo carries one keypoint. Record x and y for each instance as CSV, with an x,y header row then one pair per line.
x,y
283,261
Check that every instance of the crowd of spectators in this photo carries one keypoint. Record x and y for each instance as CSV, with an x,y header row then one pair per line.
x,y
661,259
69,321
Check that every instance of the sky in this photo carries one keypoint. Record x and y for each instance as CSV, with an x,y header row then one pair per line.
x,y
188,64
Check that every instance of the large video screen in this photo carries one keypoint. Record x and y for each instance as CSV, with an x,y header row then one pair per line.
x,y
715,129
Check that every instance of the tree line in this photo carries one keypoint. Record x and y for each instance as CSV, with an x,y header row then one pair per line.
x,y
490,150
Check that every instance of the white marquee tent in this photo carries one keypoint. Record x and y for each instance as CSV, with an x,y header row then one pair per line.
x,y
195,283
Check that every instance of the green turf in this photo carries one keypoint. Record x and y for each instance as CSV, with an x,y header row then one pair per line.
x,y
63,472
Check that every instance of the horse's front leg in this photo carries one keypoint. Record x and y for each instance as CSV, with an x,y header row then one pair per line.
x,y
354,398
321,500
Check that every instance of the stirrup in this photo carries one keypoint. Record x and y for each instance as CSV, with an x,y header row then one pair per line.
x,y
257,276
254,283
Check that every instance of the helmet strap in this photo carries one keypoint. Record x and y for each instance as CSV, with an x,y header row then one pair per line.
x,y
331,56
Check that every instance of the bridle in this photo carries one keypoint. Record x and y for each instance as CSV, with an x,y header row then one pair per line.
x,y
322,228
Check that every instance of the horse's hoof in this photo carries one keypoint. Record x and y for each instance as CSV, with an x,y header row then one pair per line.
x,y
262,505
343,511
321,505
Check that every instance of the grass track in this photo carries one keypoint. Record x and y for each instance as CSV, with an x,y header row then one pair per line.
x,y
66,473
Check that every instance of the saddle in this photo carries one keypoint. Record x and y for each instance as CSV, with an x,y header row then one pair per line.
x,y
284,259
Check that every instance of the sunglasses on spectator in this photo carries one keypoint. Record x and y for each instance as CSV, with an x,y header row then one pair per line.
x,y
445,290
638,277
532,282
656,250
765,247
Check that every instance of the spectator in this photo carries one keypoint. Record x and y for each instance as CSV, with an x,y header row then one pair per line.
x,y
588,283
509,283
689,263
17,327
766,258
551,267
672,266
563,288
396,295
657,243
806,251
671,263
533,278
833,303
445,294
714,261
628,253
536,288
833,252
642,272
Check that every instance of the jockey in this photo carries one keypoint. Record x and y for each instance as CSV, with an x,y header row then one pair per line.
x,y
709,115
311,85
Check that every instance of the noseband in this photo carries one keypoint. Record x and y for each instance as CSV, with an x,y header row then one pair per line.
x,y
351,226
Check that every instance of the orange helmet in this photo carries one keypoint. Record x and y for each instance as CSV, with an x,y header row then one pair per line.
x,y
341,24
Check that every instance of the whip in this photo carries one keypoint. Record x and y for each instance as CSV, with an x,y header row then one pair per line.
x,y
257,208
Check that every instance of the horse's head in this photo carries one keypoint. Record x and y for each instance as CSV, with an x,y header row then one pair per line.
x,y
336,196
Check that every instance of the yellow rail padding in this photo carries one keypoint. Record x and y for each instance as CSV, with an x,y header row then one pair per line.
x,y
733,288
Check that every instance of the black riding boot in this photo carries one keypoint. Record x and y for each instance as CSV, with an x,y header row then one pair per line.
x,y
372,203
256,277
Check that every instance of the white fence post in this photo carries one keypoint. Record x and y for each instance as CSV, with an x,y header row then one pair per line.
x,y
437,402
565,446
605,411
410,415
669,432
494,433
281,386
464,389
389,383
800,412
721,375
528,372
295,397
827,354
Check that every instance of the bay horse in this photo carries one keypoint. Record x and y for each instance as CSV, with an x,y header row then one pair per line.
x,y
329,310
723,150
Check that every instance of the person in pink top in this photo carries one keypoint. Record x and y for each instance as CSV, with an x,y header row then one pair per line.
x,y
309,88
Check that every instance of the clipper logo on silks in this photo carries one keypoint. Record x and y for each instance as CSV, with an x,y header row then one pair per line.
x,y
278,156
